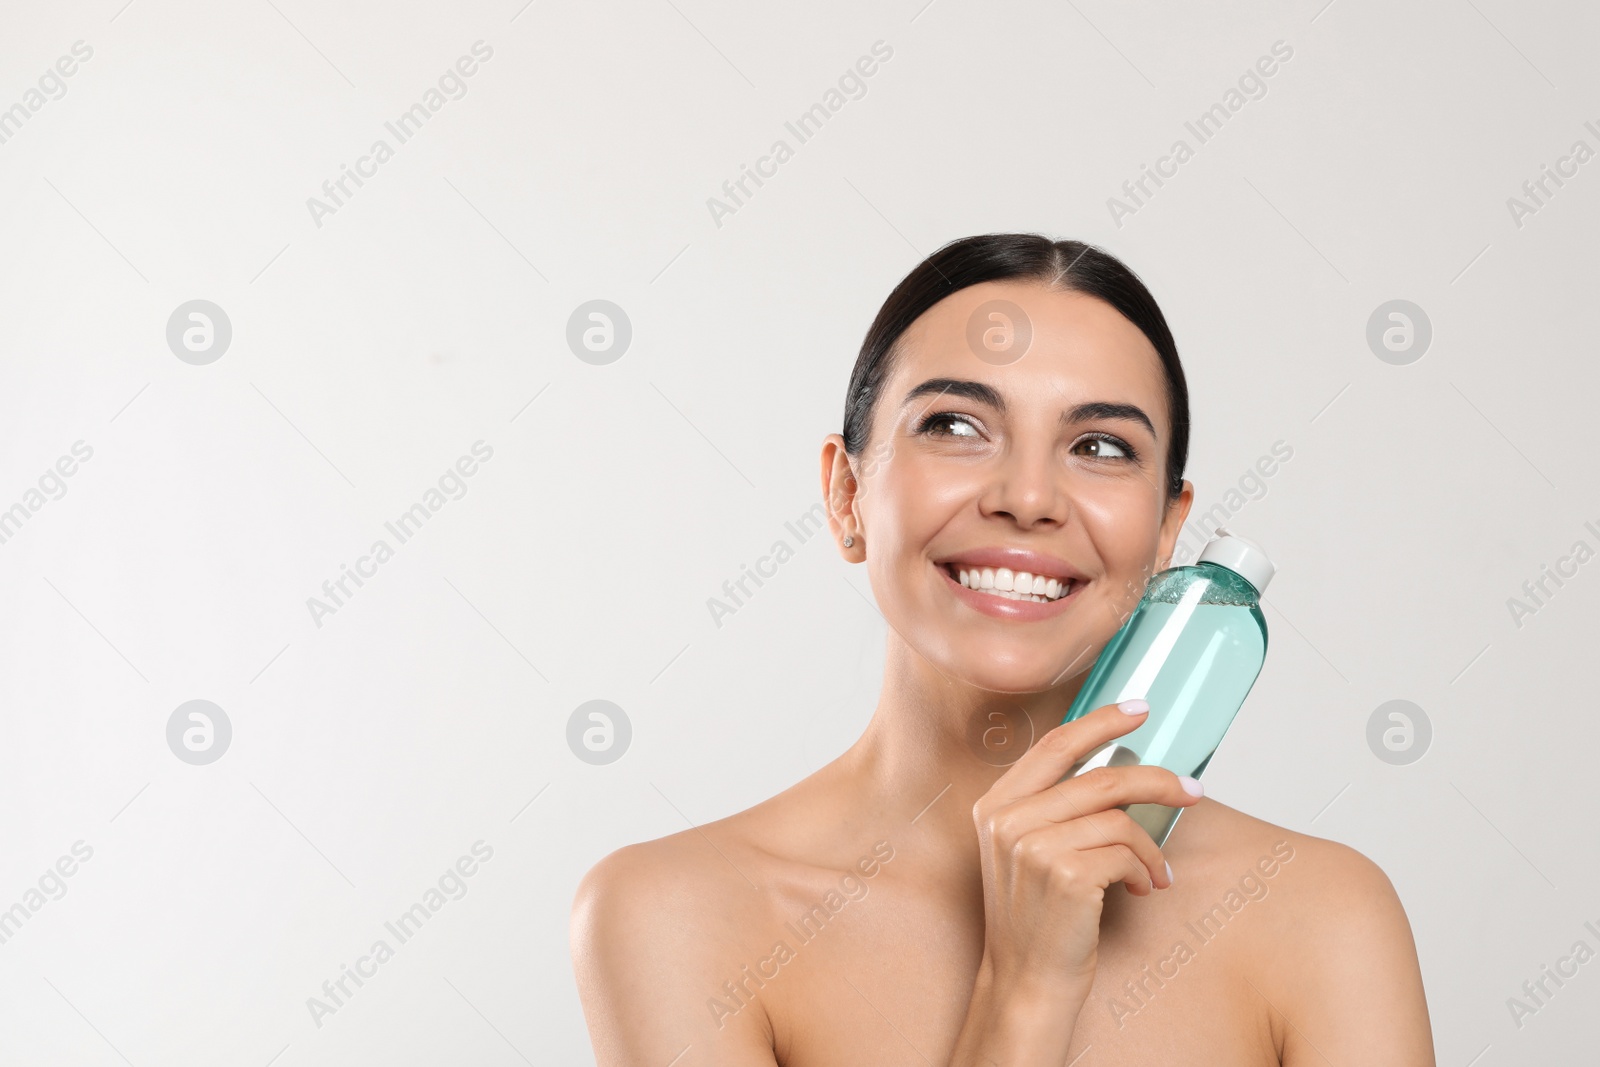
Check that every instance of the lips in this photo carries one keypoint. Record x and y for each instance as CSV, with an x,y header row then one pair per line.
x,y
1013,585
999,575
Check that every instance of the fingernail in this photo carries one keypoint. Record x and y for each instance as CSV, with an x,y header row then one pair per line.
x,y
1134,706
1169,875
1192,786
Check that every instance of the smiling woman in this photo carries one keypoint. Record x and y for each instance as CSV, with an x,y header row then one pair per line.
x,y
1021,507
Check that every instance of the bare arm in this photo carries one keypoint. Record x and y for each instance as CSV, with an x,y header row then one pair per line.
x,y
649,960
1350,987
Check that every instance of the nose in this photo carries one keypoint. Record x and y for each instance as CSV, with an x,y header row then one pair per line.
x,y
1026,487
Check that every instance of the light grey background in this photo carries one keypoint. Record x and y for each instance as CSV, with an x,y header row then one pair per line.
x,y
430,311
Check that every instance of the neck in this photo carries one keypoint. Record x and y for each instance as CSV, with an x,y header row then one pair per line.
x,y
935,744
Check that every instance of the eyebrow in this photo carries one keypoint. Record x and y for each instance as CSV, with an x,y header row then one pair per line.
x,y
985,394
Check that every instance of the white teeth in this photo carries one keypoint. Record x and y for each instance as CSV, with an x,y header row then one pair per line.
x,y
1003,582
1013,595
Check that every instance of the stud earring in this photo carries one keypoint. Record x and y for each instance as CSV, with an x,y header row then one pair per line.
x,y
849,541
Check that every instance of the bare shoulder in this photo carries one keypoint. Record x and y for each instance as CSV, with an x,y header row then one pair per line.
x,y
665,933
1327,943
711,881
1324,890
679,876
1215,836
679,898
656,928
1322,882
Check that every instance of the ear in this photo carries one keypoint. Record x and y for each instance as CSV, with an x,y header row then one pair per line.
x,y
1172,523
839,497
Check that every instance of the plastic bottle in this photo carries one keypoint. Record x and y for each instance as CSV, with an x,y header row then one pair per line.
x,y
1192,648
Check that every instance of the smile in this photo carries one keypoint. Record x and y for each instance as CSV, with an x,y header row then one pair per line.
x,y
1012,585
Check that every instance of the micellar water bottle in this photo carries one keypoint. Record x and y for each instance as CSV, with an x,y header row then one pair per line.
x,y
1192,649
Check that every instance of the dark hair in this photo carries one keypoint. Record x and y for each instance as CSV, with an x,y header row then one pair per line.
x,y
1070,266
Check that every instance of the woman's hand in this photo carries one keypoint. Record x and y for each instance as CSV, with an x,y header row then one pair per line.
x,y
1049,850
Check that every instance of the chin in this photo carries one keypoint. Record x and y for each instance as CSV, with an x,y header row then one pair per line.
x,y
1004,671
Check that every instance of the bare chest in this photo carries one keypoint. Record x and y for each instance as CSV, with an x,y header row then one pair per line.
x,y
890,985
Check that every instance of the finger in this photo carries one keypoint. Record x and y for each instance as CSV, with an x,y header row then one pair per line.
x,y
1055,753
1117,830
1104,788
1064,864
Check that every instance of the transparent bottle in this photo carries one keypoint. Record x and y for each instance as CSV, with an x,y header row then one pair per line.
x,y
1192,648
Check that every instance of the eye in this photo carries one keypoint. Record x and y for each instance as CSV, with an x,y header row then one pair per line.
x,y
948,424
1106,446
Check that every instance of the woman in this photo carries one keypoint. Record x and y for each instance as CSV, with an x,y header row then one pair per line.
x,y
930,896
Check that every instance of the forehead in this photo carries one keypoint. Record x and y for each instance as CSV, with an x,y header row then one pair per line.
x,y
1081,349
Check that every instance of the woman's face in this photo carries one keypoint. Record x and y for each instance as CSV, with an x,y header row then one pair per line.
x,y
1047,471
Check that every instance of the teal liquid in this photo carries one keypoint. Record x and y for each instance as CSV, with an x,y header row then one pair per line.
x,y
1192,649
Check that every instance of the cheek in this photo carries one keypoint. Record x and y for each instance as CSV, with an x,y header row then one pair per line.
x,y
906,505
903,509
1123,498
1122,518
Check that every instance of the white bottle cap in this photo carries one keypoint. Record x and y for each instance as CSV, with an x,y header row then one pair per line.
x,y
1244,558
